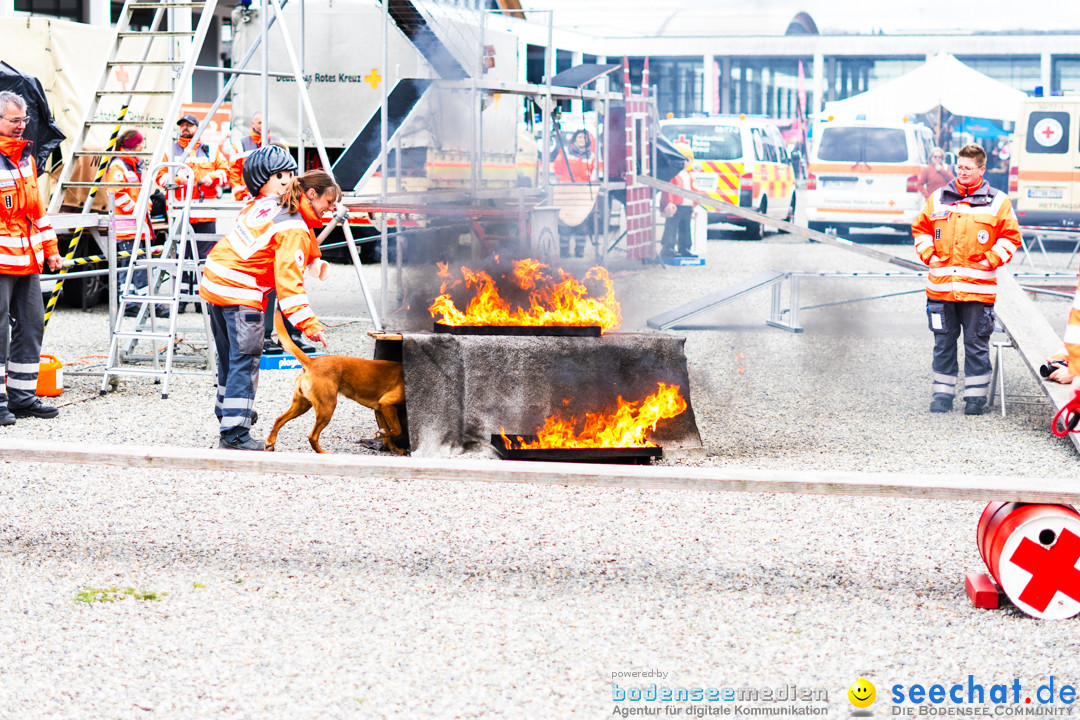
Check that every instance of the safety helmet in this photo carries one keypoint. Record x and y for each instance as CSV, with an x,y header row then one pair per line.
x,y
686,150
263,164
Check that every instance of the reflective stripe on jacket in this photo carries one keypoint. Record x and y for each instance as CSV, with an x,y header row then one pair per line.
x,y
964,240
26,236
126,170
267,249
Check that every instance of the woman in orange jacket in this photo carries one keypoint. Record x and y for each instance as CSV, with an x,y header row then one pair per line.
x,y
269,248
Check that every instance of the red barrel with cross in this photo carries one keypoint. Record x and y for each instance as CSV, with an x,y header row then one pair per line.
x,y
1031,552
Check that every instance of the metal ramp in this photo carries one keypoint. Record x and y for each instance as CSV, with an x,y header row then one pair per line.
x,y
359,159
416,26
1033,338
676,317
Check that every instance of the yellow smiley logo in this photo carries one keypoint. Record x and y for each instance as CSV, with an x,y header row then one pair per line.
x,y
862,693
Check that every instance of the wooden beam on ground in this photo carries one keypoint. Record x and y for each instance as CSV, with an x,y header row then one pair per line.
x,y
940,487
1034,339
792,228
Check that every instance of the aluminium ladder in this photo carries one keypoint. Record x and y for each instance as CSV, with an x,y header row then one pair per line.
x,y
177,264
179,46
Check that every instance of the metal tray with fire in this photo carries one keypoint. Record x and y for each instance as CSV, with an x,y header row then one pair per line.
x,y
520,449
530,330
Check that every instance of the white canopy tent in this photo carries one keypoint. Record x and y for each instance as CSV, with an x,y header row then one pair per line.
x,y
943,81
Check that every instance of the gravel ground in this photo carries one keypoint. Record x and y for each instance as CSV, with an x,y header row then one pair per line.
x,y
305,597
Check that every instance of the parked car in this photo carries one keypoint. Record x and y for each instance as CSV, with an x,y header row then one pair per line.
x,y
865,174
740,160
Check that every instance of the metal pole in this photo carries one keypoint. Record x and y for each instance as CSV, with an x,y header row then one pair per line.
x,y
299,105
549,63
110,255
384,131
264,141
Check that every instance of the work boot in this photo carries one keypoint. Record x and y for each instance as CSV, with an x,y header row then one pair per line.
x,y
941,404
36,409
974,407
249,444
6,418
272,347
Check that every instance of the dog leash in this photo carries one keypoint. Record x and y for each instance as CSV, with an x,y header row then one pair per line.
x,y
1069,415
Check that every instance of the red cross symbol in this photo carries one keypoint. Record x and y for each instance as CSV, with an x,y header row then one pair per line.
x,y
1052,569
373,78
892,202
1049,132
122,77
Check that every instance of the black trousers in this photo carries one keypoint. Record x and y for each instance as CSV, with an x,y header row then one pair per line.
x,y
975,320
676,238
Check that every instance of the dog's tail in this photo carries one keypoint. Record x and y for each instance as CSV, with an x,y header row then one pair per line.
x,y
287,342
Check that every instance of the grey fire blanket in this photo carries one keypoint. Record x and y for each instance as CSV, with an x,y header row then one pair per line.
x,y
459,390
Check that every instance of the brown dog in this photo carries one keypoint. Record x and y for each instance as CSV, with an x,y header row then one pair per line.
x,y
377,384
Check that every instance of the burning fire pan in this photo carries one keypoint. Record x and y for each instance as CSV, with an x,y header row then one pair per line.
x,y
631,455
460,389
537,330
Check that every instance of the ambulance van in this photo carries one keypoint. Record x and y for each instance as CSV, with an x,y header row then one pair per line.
x,y
865,174
1044,172
742,161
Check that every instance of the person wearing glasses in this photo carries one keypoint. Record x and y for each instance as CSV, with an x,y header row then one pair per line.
x,y
27,245
965,232
935,174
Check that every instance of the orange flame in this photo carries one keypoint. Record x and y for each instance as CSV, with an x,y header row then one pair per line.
x,y
566,302
625,428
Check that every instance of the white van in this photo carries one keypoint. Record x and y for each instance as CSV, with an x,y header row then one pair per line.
x,y
865,174
740,160
1044,172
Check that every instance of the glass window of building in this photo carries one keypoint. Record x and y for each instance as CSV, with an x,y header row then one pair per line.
x,y
1066,74
1022,73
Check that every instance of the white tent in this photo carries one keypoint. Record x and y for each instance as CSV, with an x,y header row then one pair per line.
x,y
942,81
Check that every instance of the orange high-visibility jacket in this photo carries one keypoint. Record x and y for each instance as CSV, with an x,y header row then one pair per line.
x,y
268,249
580,168
686,182
125,169
1072,335
965,239
237,156
204,161
26,236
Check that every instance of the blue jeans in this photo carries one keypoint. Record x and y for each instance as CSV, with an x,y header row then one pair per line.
x,y
238,338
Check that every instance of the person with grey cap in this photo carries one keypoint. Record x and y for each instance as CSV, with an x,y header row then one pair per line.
x,y
271,246
210,172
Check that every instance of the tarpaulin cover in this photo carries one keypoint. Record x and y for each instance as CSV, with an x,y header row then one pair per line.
x,y
41,130
461,389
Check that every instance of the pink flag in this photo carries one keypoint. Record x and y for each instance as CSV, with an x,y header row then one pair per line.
x,y
802,92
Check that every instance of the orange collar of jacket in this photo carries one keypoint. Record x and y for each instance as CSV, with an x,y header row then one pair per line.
x,y
13,147
183,142
256,137
308,213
